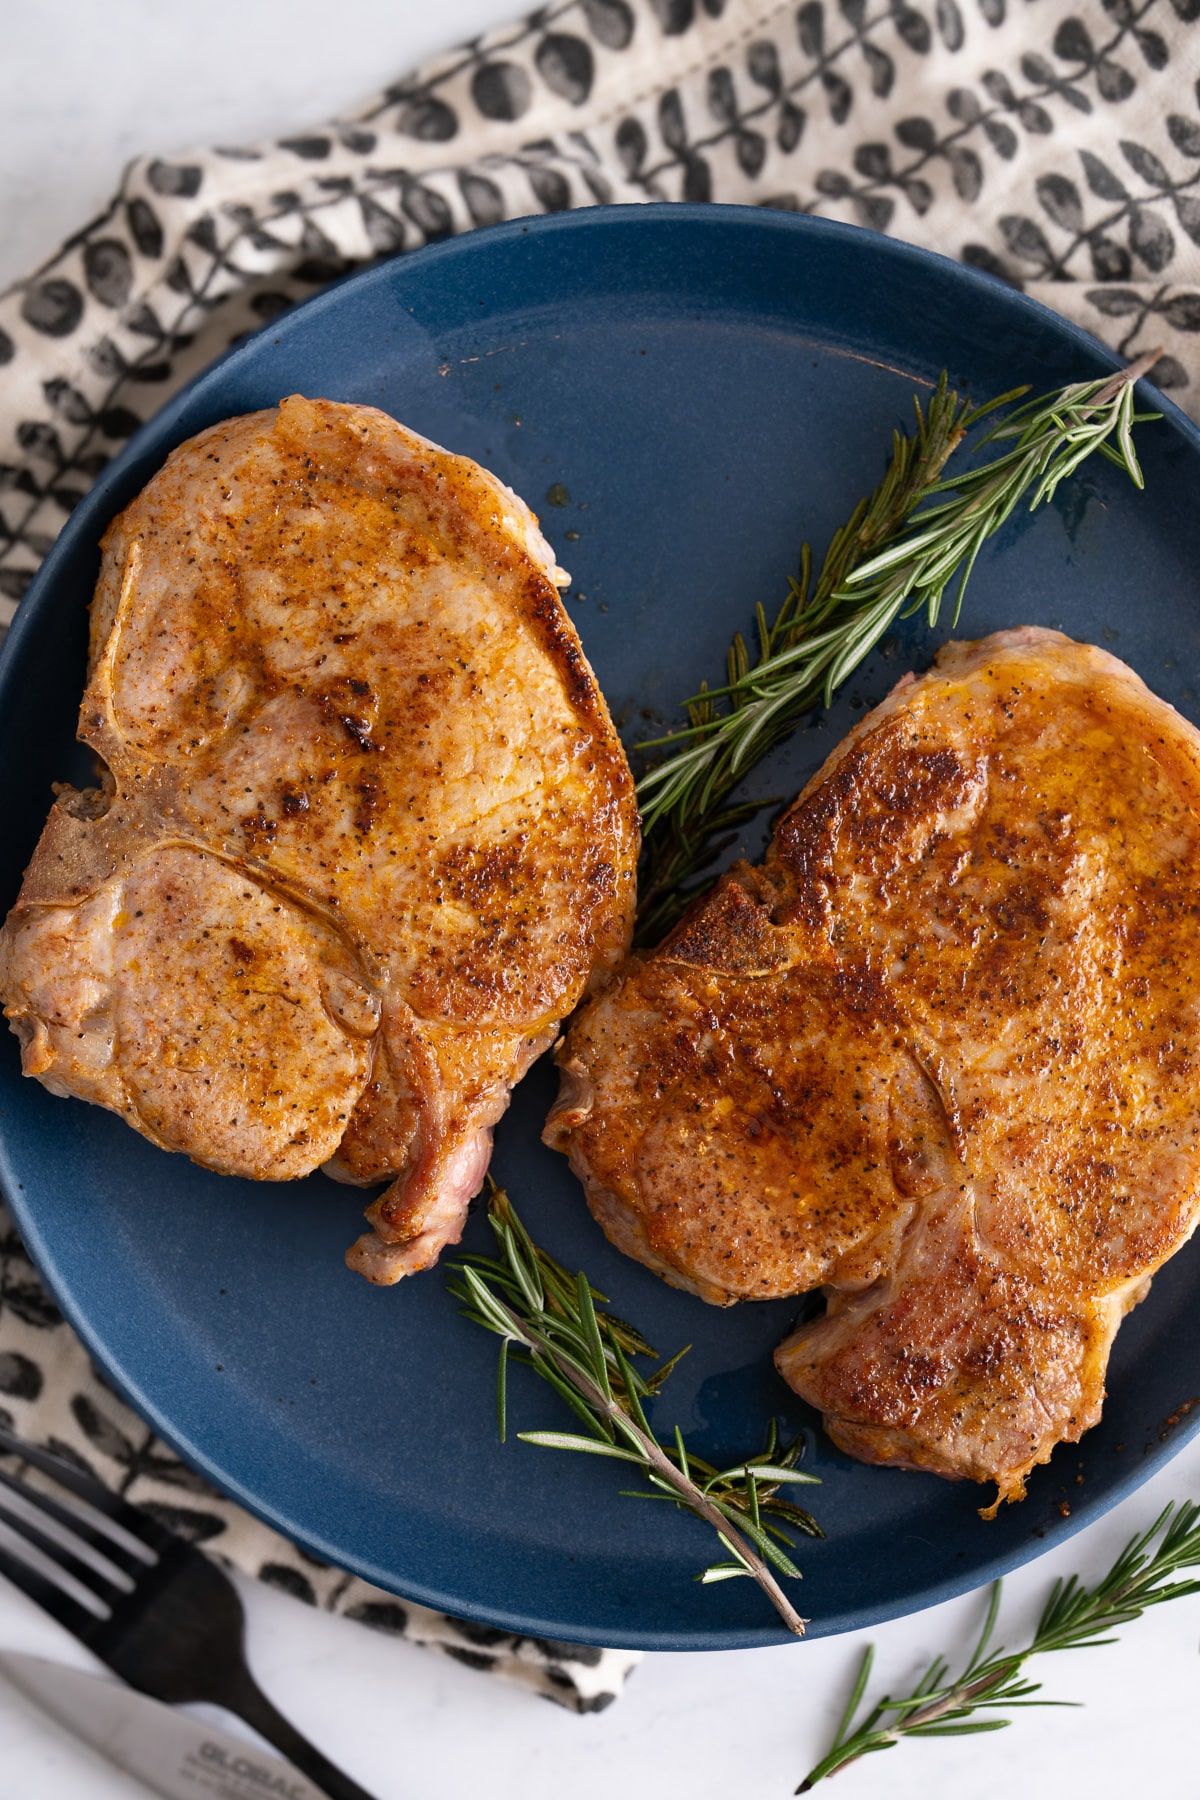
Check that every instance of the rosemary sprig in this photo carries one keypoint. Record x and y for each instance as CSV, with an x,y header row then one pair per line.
x,y
1074,1617
898,553
549,1320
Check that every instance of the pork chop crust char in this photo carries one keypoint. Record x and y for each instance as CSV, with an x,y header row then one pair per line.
x,y
939,1055
366,831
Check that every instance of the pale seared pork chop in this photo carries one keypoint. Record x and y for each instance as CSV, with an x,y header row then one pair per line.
x,y
366,835
940,1056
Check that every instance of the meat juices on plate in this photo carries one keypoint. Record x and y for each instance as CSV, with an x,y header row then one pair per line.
x,y
366,831
939,1055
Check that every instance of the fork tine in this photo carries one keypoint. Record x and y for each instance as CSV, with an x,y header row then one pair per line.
x,y
37,1587
101,1542
61,1555
85,1487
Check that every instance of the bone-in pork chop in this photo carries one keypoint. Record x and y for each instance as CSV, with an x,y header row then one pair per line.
x,y
939,1055
366,832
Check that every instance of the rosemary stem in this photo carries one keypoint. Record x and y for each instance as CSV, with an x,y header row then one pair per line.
x,y
657,1459
898,553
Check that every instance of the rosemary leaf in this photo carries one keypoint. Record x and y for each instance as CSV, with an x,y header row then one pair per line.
x,y
1074,1617
898,554
549,1320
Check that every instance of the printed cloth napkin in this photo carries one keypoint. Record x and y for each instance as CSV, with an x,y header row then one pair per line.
x,y
1052,143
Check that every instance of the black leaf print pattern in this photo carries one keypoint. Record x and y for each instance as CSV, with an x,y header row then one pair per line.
x,y
384,230
177,181
1169,373
100,1431
1182,311
502,90
722,102
675,16
288,1580
187,1522
697,179
384,1615
874,161
810,26
1187,211
1041,74
485,202
1143,162
611,22
1027,242
67,401
1152,47
427,209
428,119
950,24
1115,302
917,134
566,65
1184,134
1110,261
881,70
912,26
1034,118
70,1454
309,149
53,307
790,130
1114,81
40,440
670,121
751,149
1150,239
108,270
144,227
20,1377
966,171
839,94
1073,42
1100,178
551,188
632,145
21,1293
762,66
1002,138
1061,202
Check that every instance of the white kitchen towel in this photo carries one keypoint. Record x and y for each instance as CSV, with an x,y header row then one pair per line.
x,y
1054,143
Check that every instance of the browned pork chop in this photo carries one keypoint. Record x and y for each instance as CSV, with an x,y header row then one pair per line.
x,y
366,834
939,1055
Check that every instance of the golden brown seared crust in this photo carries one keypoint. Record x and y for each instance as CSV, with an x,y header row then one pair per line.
x,y
939,1055
367,831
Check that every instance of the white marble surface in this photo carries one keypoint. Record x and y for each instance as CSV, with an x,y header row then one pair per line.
x,y
84,86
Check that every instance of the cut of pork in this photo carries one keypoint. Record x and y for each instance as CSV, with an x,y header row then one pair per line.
x,y
939,1055
366,832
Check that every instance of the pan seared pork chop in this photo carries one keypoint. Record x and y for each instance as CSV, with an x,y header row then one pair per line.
x,y
366,832
939,1055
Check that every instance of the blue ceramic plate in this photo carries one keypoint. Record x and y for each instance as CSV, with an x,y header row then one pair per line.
x,y
683,394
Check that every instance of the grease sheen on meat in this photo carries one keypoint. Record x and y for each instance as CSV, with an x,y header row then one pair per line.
x,y
367,831
939,1055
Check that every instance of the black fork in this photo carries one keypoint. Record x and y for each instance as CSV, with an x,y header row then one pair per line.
x,y
166,1619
